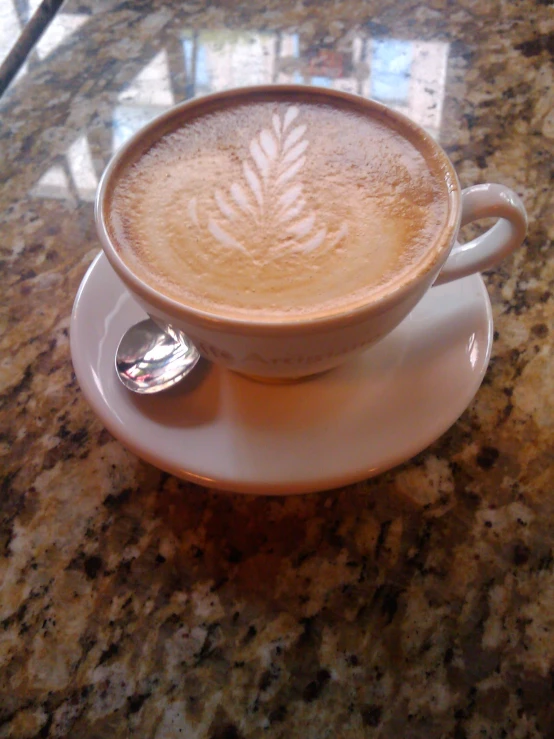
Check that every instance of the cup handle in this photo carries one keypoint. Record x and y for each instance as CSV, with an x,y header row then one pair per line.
x,y
486,201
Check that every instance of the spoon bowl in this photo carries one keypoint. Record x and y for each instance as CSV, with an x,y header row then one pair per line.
x,y
149,360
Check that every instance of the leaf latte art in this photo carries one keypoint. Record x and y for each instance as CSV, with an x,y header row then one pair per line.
x,y
270,194
277,207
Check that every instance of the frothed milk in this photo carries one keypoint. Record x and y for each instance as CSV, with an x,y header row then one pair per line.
x,y
277,208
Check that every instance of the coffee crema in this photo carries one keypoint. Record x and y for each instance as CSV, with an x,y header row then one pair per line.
x,y
279,208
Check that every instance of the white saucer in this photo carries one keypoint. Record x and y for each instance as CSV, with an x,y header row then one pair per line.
x,y
224,431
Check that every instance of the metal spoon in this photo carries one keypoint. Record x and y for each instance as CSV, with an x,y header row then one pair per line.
x,y
150,359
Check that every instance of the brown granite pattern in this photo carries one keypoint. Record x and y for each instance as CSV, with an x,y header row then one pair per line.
x,y
418,604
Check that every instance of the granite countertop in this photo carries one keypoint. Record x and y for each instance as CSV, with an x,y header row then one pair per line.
x,y
417,604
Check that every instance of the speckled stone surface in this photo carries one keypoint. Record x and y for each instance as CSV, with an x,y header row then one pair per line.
x,y
418,604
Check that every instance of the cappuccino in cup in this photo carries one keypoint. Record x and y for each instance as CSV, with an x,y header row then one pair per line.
x,y
278,208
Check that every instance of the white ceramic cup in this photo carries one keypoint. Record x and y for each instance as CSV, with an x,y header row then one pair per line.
x,y
299,346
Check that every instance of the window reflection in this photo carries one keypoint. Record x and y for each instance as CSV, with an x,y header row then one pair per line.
x,y
287,60
10,27
81,167
152,85
13,16
72,177
321,81
54,183
410,76
61,28
148,95
127,119
430,65
220,60
407,75
33,6
391,62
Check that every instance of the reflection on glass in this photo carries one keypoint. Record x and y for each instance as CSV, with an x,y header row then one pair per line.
x,y
391,63
54,183
33,6
410,76
61,28
81,167
128,119
190,53
152,85
12,17
346,84
430,65
407,75
10,28
220,60
75,176
321,81
145,97
287,60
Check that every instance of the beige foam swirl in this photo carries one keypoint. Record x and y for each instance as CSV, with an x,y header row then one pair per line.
x,y
277,207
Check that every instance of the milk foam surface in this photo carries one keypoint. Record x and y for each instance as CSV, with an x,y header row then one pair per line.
x,y
277,208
